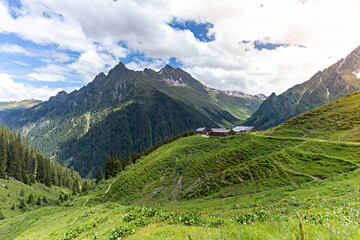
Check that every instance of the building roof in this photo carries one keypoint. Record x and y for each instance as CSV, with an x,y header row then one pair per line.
x,y
220,130
201,129
242,128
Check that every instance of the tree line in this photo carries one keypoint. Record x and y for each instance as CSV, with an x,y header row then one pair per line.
x,y
115,165
19,161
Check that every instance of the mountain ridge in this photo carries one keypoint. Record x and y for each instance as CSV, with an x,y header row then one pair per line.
x,y
132,108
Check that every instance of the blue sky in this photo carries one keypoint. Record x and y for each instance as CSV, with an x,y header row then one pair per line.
x,y
252,46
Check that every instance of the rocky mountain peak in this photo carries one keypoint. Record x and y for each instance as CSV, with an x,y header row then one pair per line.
x,y
120,68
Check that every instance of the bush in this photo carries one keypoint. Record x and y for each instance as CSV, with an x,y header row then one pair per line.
x,y
121,232
2,216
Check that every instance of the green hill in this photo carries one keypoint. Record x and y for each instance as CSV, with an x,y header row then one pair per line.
x,y
338,121
332,83
12,192
195,167
241,187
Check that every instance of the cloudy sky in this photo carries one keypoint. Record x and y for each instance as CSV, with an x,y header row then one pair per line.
x,y
254,46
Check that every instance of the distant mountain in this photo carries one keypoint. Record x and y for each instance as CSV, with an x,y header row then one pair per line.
x,y
17,105
337,81
125,111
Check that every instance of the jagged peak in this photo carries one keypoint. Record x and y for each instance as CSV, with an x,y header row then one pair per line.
x,y
356,51
60,95
120,67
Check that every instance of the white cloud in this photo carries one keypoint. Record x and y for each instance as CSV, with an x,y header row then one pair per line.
x,y
24,64
49,73
94,29
13,91
14,48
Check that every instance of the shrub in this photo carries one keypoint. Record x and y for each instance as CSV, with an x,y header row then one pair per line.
x,y
121,232
2,216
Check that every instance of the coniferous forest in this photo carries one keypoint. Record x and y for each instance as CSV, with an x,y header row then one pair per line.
x,y
19,161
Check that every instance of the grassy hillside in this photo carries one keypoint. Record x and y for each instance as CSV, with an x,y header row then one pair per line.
x,y
12,192
339,121
197,167
328,210
248,186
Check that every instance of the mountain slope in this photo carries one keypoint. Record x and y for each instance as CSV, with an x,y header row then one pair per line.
x,y
122,112
195,167
324,87
339,120
6,107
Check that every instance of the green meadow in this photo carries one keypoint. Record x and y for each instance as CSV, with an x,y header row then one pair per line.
x,y
240,187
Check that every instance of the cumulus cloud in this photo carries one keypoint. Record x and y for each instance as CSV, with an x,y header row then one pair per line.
x,y
14,91
103,32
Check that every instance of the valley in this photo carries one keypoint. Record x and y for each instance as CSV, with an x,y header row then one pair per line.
x,y
181,120
298,180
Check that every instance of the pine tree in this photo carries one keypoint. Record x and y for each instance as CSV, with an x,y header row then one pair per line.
x,y
109,167
38,202
3,154
99,176
76,187
30,199
22,205
44,199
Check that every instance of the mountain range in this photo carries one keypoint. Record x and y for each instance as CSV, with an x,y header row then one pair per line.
x,y
125,111
336,81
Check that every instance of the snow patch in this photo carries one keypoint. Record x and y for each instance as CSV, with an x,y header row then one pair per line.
x,y
238,94
176,83
357,75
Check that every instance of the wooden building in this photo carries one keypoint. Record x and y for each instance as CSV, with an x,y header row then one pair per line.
x,y
203,130
244,129
221,132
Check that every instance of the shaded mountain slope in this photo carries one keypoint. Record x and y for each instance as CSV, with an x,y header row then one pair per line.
x,y
324,87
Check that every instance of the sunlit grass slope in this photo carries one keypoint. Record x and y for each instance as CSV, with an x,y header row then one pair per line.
x,y
12,192
328,209
198,167
339,120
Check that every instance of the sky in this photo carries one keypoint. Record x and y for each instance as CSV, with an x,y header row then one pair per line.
x,y
253,46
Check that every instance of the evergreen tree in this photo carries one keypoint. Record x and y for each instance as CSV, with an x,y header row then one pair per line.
x,y
19,161
3,155
99,176
30,199
109,167
76,187
38,202
61,198
22,205
44,199
22,192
